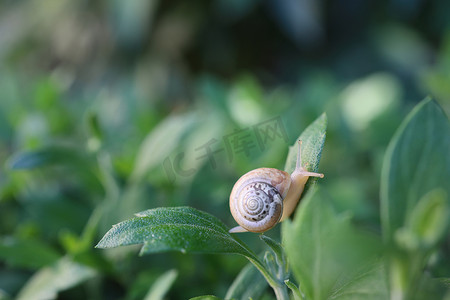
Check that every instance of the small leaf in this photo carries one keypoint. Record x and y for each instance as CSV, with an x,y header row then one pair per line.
x,y
426,224
270,263
161,286
278,250
313,139
46,283
178,228
429,219
294,289
416,162
248,284
324,250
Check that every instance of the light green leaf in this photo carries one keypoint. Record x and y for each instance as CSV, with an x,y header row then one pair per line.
x,y
278,250
294,289
313,139
175,228
416,162
324,251
370,282
161,286
160,142
27,253
429,218
46,283
248,284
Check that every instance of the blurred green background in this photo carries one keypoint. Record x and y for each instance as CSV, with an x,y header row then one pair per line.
x,y
130,105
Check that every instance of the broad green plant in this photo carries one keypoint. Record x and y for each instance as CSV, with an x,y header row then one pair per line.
x,y
328,255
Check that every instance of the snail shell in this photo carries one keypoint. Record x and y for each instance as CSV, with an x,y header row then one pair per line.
x,y
257,198
263,197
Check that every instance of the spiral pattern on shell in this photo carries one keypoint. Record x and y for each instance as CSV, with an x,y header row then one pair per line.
x,y
260,206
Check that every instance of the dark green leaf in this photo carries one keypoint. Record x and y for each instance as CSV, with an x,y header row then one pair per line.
x,y
178,228
325,252
416,162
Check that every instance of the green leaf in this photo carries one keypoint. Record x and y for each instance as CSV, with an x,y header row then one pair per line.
x,y
428,221
27,253
313,139
160,142
294,289
324,251
161,286
175,228
248,284
417,161
278,250
370,282
45,157
46,283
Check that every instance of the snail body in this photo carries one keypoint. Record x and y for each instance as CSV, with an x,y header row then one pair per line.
x,y
264,197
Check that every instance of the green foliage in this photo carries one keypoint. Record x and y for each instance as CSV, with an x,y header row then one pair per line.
x,y
416,162
317,244
108,108
189,230
179,228
414,195
313,140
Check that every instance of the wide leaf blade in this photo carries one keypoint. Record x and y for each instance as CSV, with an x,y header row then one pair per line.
x,y
183,229
416,162
325,252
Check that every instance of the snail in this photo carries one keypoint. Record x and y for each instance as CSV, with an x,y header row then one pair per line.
x,y
264,197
